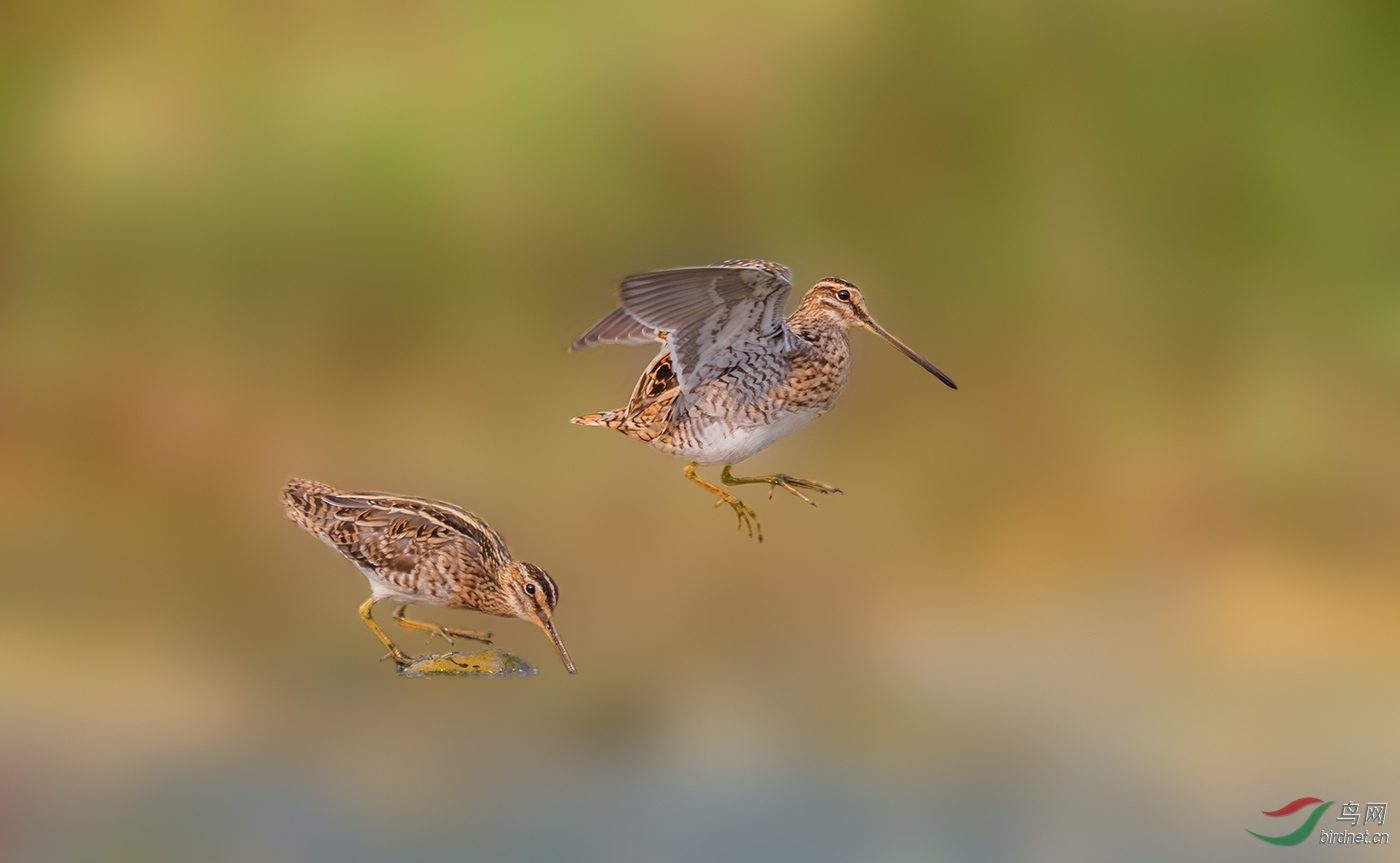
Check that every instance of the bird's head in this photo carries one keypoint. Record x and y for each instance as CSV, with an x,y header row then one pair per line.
x,y
842,303
534,594
838,301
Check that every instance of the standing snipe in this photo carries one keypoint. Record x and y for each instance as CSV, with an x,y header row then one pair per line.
x,y
734,376
425,552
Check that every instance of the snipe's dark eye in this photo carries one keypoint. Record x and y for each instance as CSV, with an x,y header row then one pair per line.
x,y
844,295
529,588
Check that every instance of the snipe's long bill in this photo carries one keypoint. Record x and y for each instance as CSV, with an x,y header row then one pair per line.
x,y
733,374
425,552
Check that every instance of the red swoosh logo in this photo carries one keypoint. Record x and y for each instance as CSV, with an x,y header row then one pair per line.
x,y
1294,806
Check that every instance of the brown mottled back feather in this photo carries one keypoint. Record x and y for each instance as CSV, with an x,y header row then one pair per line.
x,y
418,546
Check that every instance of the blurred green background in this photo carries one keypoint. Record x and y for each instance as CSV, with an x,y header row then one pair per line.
x,y
1131,584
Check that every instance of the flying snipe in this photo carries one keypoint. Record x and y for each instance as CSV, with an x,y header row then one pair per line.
x,y
425,552
734,376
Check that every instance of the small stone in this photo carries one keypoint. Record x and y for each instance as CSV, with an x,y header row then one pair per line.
x,y
491,662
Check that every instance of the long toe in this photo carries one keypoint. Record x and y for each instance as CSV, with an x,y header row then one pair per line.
x,y
399,658
808,484
794,490
743,520
748,518
483,637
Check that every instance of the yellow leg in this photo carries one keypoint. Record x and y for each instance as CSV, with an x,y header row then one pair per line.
x,y
747,517
780,480
399,657
443,632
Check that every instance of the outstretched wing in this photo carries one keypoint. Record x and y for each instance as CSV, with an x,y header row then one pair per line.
x,y
617,328
714,316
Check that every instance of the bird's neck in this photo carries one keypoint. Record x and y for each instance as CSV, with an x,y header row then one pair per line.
x,y
817,374
816,323
485,594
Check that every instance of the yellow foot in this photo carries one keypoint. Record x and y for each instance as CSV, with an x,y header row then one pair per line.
x,y
447,634
443,632
400,658
366,614
780,480
747,517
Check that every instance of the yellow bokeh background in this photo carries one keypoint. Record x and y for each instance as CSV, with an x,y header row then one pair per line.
x,y
1131,584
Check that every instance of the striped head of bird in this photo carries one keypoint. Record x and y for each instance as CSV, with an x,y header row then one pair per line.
x,y
841,303
533,595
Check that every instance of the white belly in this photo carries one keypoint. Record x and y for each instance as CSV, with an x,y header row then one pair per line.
x,y
714,440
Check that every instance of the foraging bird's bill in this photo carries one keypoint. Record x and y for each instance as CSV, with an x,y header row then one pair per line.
x,y
548,627
908,351
425,552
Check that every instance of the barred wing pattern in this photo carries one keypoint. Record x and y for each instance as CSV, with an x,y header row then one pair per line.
x,y
617,328
716,317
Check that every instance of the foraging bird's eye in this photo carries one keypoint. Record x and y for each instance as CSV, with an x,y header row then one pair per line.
x,y
844,295
530,589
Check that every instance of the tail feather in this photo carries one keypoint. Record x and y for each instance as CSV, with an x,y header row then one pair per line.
x,y
608,419
302,500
